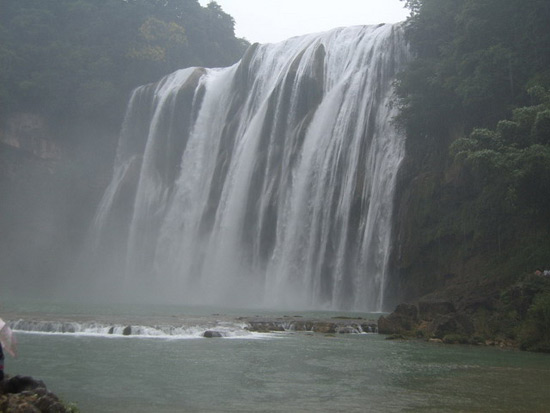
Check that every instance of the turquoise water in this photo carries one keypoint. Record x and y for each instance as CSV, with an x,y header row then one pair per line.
x,y
290,372
284,372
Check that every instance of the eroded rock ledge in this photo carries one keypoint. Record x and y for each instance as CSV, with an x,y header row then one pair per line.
x,y
336,325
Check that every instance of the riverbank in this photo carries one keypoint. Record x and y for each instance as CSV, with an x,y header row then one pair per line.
x,y
516,316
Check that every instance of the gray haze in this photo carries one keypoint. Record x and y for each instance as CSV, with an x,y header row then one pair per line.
x,y
266,184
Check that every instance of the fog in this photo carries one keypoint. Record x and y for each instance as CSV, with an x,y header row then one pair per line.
x,y
265,184
231,190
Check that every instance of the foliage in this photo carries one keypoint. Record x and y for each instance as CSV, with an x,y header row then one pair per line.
x,y
512,162
540,313
475,104
79,59
477,57
533,330
522,315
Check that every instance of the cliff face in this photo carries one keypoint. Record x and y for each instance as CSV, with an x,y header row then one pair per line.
x,y
48,198
439,249
424,257
30,134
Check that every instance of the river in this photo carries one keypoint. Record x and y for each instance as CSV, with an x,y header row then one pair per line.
x,y
274,372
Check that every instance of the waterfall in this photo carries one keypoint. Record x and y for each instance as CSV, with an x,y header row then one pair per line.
x,y
269,183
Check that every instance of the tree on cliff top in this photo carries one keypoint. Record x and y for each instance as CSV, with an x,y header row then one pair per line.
x,y
79,59
475,60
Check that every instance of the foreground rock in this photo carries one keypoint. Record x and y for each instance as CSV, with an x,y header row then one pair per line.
x,y
28,395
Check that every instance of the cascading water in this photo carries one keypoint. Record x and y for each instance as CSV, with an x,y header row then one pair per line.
x,y
268,183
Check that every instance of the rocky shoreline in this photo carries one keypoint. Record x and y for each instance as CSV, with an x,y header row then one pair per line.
x,y
515,316
28,395
436,321
216,325
334,325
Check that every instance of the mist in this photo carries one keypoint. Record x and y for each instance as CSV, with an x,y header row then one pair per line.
x,y
265,184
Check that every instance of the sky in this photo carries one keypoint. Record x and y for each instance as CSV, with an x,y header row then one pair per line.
x,y
270,21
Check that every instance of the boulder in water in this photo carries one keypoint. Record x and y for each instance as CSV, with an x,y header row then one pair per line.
x,y
212,334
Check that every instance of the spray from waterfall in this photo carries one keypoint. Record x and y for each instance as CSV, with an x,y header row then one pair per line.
x,y
269,183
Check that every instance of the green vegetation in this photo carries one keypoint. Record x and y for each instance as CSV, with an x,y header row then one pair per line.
x,y
475,103
511,164
534,332
78,59
475,62
522,316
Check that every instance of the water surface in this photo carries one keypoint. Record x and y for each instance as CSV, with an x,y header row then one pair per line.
x,y
284,372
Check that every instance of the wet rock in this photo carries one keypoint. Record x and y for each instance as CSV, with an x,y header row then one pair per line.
x,y
369,328
431,319
127,331
347,330
407,311
265,326
324,327
389,325
19,384
212,334
68,328
450,324
300,325
401,321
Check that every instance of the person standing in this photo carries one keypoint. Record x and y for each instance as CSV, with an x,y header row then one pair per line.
x,y
7,342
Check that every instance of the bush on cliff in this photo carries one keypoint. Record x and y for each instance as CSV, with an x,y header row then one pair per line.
x,y
535,332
